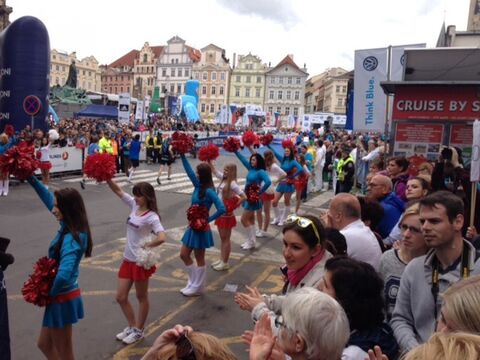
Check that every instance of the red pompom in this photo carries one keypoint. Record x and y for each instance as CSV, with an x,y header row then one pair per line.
x,y
197,216
208,152
253,193
231,144
287,143
231,204
9,130
182,143
38,154
20,161
36,289
249,138
266,139
100,166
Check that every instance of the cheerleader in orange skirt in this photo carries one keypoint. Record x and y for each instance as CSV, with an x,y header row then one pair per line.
x,y
232,196
301,181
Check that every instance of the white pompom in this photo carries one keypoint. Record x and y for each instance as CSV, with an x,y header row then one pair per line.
x,y
53,134
147,257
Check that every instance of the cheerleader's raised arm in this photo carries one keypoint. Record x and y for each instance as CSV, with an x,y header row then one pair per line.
x,y
45,195
243,160
276,153
189,171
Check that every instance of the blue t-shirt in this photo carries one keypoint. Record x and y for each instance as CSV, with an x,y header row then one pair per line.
x,y
135,150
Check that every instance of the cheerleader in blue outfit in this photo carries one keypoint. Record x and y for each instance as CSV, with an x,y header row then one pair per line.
x,y
72,241
286,186
199,240
256,175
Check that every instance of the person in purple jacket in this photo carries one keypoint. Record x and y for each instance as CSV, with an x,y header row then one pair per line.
x,y
397,168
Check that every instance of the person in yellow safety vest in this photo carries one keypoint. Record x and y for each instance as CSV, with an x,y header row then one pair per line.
x,y
104,144
114,144
157,147
345,172
149,144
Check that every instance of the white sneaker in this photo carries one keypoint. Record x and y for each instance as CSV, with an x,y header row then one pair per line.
x,y
259,233
274,221
135,335
248,245
281,223
221,266
127,331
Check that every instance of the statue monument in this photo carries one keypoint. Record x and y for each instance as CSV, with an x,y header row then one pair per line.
x,y
72,76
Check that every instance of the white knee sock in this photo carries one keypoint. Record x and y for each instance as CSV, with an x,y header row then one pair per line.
x,y
1,187
131,174
276,213
5,186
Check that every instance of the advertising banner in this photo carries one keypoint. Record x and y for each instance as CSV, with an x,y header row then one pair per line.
x,y
139,111
398,60
436,102
475,164
418,139
124,108
370,101
65,159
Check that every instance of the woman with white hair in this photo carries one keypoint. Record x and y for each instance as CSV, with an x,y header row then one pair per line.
x,y
313,326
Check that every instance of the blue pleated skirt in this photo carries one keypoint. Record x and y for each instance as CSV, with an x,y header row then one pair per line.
x,y
283,187
66,313
197,239
252,206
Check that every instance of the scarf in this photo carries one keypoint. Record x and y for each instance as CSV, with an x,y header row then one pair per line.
x,y
295,276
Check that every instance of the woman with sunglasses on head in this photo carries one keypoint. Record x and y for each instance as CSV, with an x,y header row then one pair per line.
x,y
256,176
143,221
198,240
71,243
305,252
285,187
232,196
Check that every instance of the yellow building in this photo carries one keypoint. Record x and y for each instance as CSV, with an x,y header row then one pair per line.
x,y
247,84
88,70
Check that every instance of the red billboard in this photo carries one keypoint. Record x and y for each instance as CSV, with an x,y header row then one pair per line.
x,y
419,133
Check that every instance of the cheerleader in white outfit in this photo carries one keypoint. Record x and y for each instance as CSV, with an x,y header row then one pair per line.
x,y
232,196
45,164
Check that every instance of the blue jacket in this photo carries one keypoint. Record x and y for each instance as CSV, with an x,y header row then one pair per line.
x,y
393,208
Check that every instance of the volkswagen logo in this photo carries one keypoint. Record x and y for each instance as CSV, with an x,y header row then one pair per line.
x,y
370,63
402,60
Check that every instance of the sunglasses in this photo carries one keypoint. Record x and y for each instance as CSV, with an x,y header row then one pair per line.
x,y
303,223
185,349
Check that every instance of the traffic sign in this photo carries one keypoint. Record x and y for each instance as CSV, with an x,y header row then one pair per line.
x,y
32,105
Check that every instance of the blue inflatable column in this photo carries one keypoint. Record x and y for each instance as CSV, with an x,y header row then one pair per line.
x,y
24,74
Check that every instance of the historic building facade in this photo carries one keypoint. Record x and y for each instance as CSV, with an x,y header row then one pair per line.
x,y
145,70
327,92
213,72
88,70
247,84
5,12
285,88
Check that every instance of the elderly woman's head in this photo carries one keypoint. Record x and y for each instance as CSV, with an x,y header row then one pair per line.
x,y
312,323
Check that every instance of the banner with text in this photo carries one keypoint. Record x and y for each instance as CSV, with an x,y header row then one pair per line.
x,y
124,108
475,164
418,139
369,105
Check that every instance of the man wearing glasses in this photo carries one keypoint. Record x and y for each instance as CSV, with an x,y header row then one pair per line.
x,y
450,259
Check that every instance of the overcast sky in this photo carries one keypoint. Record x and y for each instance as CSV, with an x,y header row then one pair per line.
x,y
320,33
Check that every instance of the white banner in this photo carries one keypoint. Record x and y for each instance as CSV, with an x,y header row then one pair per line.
x,y
398,60
65,159
146,107
124,108
475,164
140,110
369,99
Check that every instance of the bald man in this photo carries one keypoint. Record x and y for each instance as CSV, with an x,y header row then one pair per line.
x,y
344,214
380,188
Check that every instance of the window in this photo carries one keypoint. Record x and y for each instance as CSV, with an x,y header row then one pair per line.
x,y
287,110
290,79
214,76
222,76
186,72
295,111
337,88
214,90
237,91
128,89
57,81
121,78
204,90
280,79
176,61
280,94
297,95
238,78
279,109
272,80
257,92
259,79
203,108
145,58
116,90
164,72
249,79
197,75
121,88
219,107
221,90
205,75
83,72
289,94
179,72
344,89
179,88
57,67
339,102
212,108
247,92
270,109
271,94
297,81
172,72
172,88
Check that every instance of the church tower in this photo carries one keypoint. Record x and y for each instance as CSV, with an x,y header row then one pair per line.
x,y
474,16
4,14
